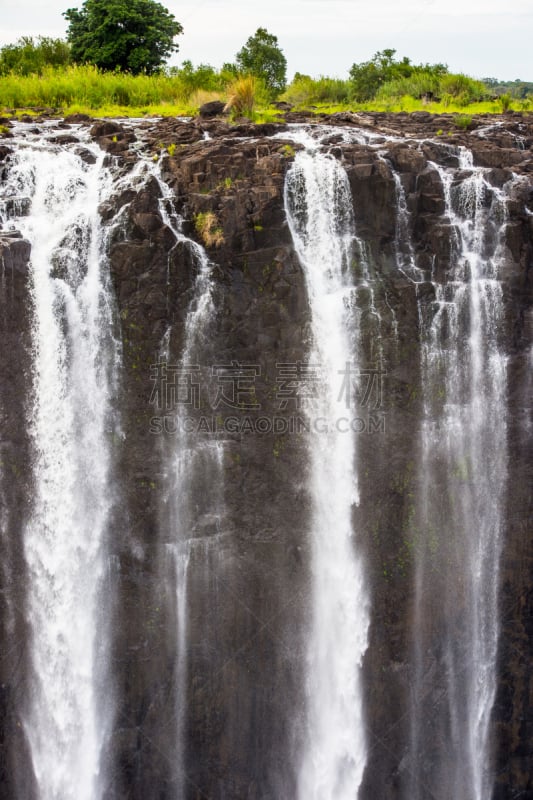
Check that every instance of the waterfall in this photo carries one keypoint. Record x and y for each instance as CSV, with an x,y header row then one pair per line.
x,y
463,467
190,462
319,210
227,658
71,425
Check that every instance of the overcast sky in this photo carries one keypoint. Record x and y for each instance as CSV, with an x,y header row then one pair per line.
x,y
484,38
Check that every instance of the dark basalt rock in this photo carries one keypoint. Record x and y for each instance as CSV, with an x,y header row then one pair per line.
x,y
77,119
14,252
282,106
16,776
86,155
64,138
212,109
106,128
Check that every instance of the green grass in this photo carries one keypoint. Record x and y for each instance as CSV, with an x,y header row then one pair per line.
x,y
463,121
85,89
113,110
410,104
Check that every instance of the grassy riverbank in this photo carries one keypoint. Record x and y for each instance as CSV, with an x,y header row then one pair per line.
x,y
86,89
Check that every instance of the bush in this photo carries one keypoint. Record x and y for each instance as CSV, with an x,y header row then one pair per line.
x,y
192,78
305,90
419,84
463,121
93,88
242,96
28,56
463,89
208,228
383,68
455,89
88,86
505,102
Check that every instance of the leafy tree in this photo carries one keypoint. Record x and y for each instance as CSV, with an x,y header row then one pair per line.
x,y
192,78
130,35
29,56
368,77
262,56
229,71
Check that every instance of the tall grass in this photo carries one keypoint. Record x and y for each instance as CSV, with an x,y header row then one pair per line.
x,y
242,96
409,104
305,90
89,87
181,91
449,89
426,89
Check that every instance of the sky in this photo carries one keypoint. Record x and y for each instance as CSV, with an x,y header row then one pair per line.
x,y
484,38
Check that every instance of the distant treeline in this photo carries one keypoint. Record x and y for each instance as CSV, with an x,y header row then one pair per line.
x,y
518,89
41,72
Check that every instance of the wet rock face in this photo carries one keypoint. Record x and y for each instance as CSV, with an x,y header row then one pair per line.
x,y
248,581
245,595
15,489
243,669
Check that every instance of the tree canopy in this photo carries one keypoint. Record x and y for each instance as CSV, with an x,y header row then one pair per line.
x,y
129,35
261,56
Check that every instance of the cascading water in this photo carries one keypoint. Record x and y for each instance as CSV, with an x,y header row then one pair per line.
x,y
319,209
463,470
71,423
212,585
189,462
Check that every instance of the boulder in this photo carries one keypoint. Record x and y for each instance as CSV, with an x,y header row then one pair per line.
x,y
212,109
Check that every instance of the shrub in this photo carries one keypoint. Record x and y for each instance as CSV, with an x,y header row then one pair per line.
x,y
305,90
28,56
368,77
204,77
208,228
288,151
463,121
463,89
505,102
242,96
418,84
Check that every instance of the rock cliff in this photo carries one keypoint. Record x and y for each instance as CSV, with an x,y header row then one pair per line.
x,y
248,574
